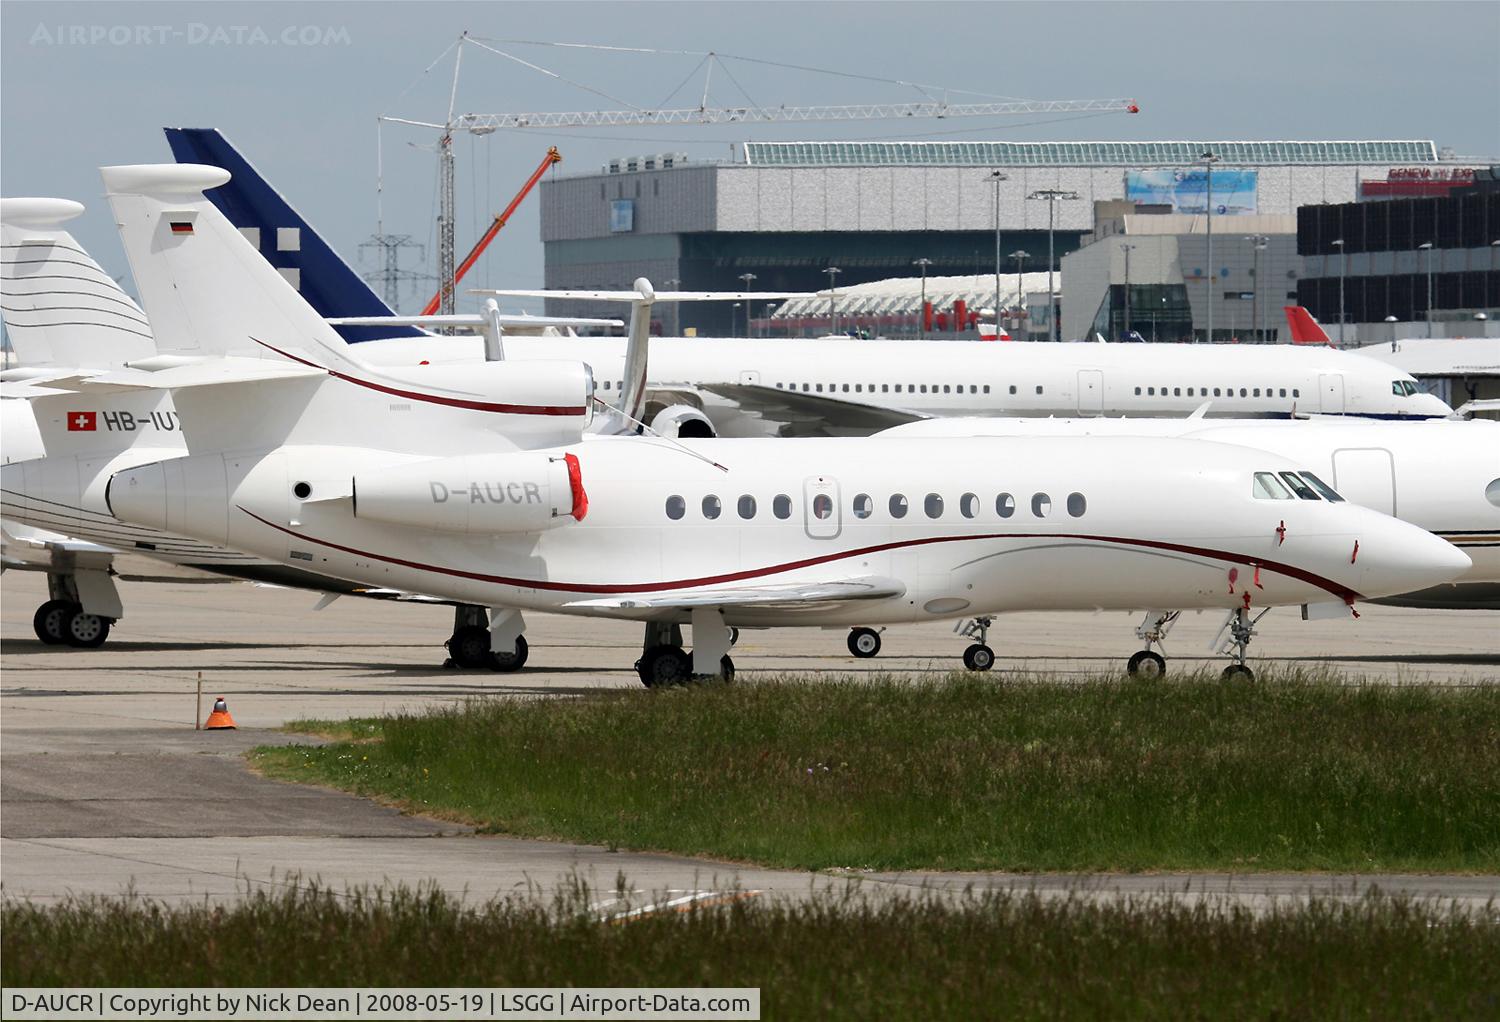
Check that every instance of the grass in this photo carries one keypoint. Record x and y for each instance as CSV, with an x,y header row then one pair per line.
x,y
998,955
1286,774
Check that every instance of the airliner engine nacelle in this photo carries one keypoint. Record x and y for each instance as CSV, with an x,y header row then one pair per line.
x,y
487,493
682,421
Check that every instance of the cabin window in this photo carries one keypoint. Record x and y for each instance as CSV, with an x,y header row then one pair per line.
x,y
859,388
1327,491
746,506
1257,392
1243,392
1216,392
973,389
986,388
1137,392
885,388
781,507
898,505
1283,392
712,506
1296,392
1299,486
1039,388
863,506
898,388
1190,392
1176,391
1150,392
968,505
822,507
1268,487
924,388
946,389
676,507
1012,388
805,388
846,388
1041,505
933,505
820,388
1005,505
1077,505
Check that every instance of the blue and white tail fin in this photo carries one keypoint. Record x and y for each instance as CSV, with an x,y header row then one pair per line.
x,y
60,308
284,237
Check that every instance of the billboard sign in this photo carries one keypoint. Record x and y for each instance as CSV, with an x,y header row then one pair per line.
x,y
1185,191
622,215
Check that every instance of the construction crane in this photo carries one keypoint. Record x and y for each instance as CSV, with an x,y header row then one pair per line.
x,y
446,291
485,124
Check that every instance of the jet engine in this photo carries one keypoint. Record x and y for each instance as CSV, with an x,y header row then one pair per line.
x,y
486,493
683,421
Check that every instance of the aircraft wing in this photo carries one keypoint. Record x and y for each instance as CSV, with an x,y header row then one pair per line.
x,y
771,597
809,414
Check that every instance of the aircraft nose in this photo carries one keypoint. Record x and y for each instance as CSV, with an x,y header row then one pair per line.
x,y
1430,404
1408,559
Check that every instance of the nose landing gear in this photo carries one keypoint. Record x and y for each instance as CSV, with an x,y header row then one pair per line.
x,y
1241,628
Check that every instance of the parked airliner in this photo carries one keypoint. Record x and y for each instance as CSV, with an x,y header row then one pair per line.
x,y
743,387
304,454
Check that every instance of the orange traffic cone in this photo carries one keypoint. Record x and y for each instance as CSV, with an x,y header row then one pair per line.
x,y
220,720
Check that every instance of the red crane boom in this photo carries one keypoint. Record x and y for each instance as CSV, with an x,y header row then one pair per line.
x,y
553,156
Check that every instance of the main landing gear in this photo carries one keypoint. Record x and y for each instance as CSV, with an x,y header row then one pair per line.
x,y
665,663
1148,663
979,656
1241,628
62,621
495,644
864,643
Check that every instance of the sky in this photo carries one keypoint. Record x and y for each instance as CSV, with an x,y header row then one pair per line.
x,y
299,88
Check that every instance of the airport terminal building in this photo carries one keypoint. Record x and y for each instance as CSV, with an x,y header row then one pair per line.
x,y
786,212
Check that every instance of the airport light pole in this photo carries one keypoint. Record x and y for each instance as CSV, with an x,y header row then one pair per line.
x,y
833,312
1127,249
1020,256
1426,246
1209,159
747,278
1338,243
923,262
1259,243
1051,195
997,177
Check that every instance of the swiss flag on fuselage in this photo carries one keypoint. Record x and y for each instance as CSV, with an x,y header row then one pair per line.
x,y
83,422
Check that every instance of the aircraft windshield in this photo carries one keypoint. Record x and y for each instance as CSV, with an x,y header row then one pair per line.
x,y
1322,487
1299,487
1403,388
1268,487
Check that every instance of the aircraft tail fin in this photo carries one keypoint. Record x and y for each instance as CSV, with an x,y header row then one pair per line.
x,y
273,227
207,289
60,307
1305,329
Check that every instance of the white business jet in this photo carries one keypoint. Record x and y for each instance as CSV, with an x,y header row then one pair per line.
x,y
479,487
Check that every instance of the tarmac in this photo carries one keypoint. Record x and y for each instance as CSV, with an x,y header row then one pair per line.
x,y
107,789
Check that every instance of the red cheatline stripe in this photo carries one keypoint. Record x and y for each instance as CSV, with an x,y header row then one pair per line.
x,y
435,399
1342,592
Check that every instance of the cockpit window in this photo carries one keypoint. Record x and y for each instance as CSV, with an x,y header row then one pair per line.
x,y
1299,487
1403,388
1327,491
1268,487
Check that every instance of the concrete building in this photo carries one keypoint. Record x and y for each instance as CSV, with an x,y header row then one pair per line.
x,y
788,211
1164,259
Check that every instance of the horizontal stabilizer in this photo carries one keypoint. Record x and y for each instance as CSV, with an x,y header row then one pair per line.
x,y
769,597
659,296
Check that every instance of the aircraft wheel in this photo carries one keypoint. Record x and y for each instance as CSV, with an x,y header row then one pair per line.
x,y
51,619
979,657
726,670
864,642
662,666
507,662
1238,673
470,646
734,636
87,631
1147,665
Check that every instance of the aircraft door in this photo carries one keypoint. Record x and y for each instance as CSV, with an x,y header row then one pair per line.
x,y
1366,476
821,514
1090,392
1331,387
